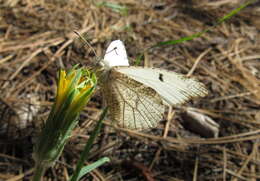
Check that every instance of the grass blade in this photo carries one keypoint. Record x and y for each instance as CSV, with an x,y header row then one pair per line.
x,y
85,153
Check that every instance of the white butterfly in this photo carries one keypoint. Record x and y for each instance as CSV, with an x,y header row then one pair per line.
x,y
135,95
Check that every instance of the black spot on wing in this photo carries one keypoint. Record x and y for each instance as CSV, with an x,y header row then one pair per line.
x,y
161,77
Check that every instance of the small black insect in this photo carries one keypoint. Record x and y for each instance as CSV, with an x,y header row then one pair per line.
x,y
161,77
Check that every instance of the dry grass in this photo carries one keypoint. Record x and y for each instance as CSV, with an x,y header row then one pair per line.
x,y
36,39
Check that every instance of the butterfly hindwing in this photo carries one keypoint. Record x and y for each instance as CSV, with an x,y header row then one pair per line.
x,y
174,88
131,104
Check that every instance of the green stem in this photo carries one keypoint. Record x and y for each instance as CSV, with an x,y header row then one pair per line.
x,y
38,173
84,155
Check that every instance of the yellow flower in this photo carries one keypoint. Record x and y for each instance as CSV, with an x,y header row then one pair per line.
x,y
74,90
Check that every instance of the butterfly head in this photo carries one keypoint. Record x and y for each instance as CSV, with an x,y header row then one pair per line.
x,y
115,55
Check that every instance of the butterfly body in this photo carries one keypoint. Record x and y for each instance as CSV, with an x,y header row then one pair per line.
x,y
135,95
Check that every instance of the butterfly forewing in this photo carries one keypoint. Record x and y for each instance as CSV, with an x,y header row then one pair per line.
x,y
174,88
132,104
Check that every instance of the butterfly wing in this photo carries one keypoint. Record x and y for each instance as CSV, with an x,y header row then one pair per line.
x,y
131,104
134,93
174,88
115,55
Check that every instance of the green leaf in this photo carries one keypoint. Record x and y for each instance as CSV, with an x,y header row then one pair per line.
x,y
139,59
92,166
84,155
235,11
115,7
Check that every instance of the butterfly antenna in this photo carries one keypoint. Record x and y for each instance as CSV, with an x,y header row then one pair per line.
x,y
92,49
86,43
114,49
